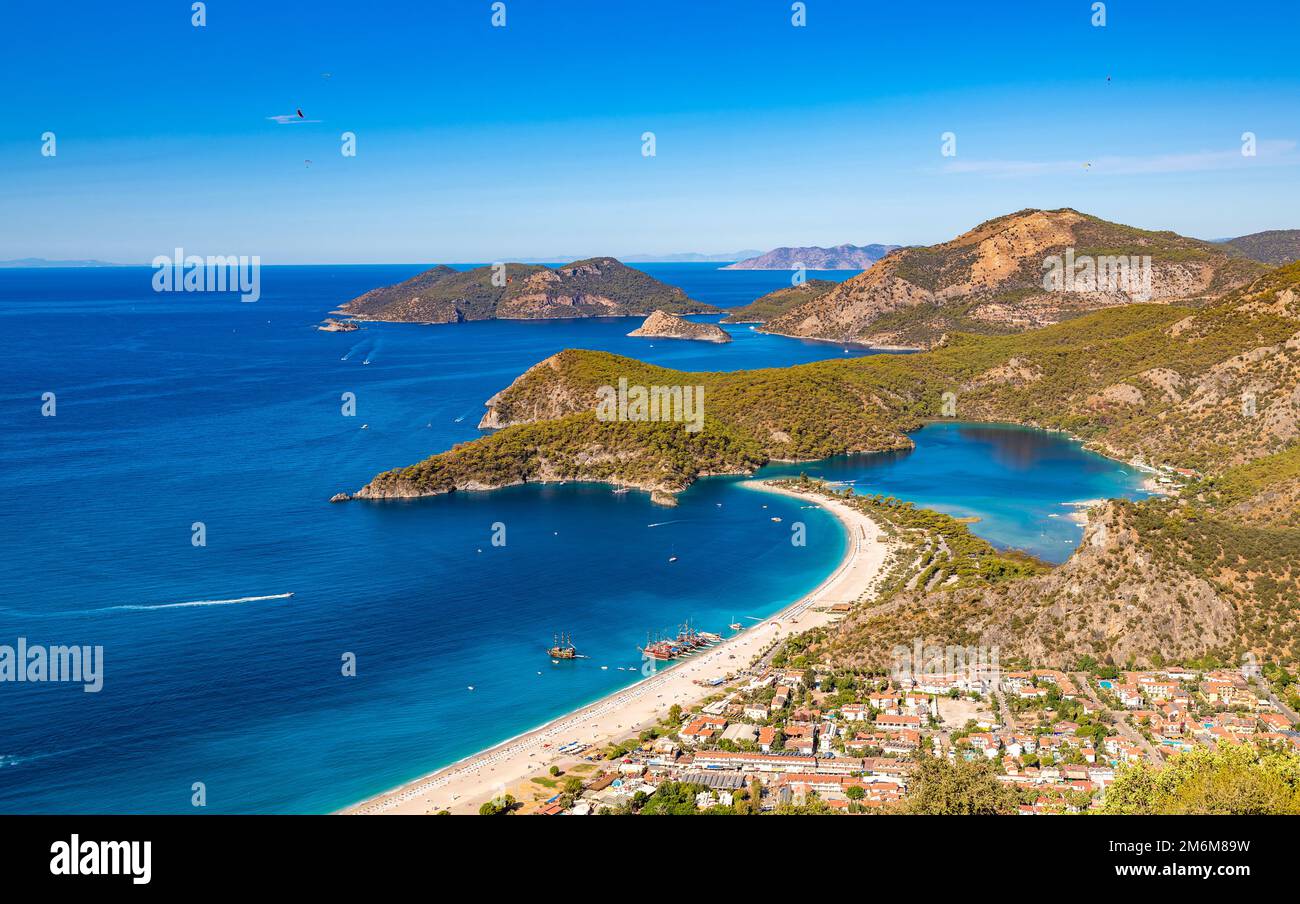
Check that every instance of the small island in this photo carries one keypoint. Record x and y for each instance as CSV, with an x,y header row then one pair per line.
x,y
331,325
597,287
662,325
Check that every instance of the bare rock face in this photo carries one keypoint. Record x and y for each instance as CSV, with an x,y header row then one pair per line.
x,y
661,325
992,280
664,498
539,393
387,486
1118,394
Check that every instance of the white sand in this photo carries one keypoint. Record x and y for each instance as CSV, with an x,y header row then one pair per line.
x,y
463,786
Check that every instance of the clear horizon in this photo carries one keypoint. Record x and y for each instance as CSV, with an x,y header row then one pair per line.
x,y
476,142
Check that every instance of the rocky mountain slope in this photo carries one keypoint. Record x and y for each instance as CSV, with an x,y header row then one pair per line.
x,y
599,287
661,325
992,280
1117,598
774,304
1276,247
812,257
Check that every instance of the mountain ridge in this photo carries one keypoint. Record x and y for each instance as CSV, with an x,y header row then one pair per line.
x,y
815,257
1274,246
991,279
595,287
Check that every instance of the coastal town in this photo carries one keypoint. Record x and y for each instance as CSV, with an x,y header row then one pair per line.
x,y
773,720
792,740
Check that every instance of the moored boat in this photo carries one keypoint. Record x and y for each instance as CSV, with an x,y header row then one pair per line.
x,y
562,648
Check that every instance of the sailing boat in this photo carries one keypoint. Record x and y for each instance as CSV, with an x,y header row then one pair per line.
x,y
562,648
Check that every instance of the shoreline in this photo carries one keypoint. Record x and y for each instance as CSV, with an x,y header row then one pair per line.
x,y
502,768
851,343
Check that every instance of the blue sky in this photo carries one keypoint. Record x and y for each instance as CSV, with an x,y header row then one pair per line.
x,y
477,143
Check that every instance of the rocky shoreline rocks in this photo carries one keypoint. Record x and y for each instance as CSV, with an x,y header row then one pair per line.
x,y
332,325
662,325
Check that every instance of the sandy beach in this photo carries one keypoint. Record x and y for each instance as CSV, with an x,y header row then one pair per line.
x,y
463,786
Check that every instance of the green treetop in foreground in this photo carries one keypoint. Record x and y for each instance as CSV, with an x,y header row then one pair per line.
x,y
1232,780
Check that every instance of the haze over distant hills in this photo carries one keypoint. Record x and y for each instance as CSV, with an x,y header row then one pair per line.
x,y
40,262
687,257
681,257
812,257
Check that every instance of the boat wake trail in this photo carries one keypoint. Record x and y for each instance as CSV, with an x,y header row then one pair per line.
x,y
662,523
149,607
242,599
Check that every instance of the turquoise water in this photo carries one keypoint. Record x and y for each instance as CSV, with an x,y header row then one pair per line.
x,y
1019,482
176,409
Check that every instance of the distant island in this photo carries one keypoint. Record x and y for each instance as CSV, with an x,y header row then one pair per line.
x,y
597,287
662,325
841,257
693,257
674,257
34,263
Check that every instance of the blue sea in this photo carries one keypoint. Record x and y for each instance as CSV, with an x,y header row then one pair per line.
x,y
177,409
